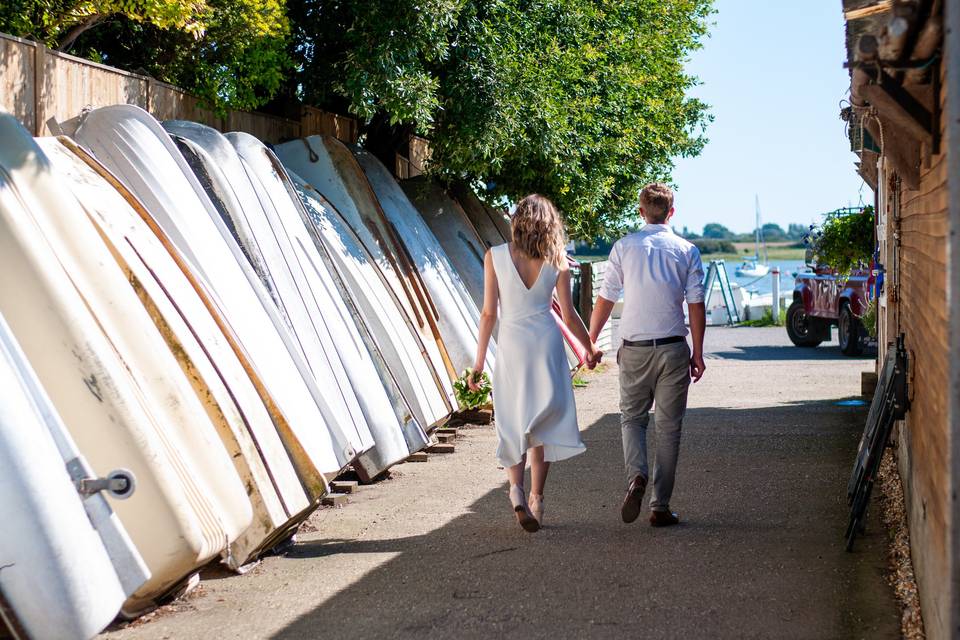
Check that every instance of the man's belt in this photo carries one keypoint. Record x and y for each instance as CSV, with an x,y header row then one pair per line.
x,y
653,343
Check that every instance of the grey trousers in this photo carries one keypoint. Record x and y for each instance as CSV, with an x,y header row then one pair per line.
x,y
649,374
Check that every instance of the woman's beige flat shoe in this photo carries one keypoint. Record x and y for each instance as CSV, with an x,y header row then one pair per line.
x,y
536,507
524,517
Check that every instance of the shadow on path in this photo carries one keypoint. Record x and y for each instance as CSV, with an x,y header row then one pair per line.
x,y
759,553
788,353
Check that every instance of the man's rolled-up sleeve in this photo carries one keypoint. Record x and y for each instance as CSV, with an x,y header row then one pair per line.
x,y
694,291
612,285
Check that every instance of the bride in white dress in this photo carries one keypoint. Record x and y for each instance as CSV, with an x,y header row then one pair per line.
x,y
536,417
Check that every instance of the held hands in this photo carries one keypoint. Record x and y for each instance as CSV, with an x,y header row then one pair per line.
x,y
697,366
594,355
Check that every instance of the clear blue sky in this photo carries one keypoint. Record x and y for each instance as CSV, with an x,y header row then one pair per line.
x,y
772,71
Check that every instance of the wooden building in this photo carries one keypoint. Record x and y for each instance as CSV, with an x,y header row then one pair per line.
x,y
904,124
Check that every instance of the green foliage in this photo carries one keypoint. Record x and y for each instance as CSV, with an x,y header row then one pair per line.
x,y
582,101
869,318
710,245
717,231
772,232
466,397
765,321
231,53
58,22
844,241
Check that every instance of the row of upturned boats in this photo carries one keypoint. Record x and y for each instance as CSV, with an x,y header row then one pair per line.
x,y
197,333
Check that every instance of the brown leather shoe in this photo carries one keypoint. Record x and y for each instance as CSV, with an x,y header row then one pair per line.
x,y
630,509
663,518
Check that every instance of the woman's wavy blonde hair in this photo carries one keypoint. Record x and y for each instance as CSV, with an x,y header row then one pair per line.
x,y
538,230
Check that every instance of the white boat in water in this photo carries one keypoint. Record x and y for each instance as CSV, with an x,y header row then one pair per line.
x,y
329,167
133,145
398,344
753,267
68,563
110,375
456,312
195,333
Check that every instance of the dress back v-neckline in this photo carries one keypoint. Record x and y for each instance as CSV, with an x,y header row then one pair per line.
x,y
516,271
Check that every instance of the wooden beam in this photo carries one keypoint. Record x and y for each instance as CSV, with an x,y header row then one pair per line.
x,y
900,149
897,105
867,168
883,6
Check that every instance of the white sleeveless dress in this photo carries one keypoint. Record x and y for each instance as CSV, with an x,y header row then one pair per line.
x,y
532,392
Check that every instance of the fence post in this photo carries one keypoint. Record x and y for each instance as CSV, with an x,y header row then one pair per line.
x,y
39,64
586,291
775,309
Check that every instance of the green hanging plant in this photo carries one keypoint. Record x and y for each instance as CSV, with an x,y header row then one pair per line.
x,y
844,241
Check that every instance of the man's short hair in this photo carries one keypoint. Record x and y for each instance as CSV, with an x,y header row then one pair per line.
x,y
656,200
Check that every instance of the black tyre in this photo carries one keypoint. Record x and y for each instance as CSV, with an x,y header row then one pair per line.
x,y
803,330
850,331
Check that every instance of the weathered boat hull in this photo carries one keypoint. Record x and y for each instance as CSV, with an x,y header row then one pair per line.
x,y
68,563
108,372
320,282
466,228
251,217
191,330
457,315
130,143
346,189
399,353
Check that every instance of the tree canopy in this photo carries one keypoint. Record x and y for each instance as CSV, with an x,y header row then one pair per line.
x,y
717,231
583,101
232,53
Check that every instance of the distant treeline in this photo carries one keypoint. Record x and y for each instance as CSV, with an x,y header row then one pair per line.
x,y
715,238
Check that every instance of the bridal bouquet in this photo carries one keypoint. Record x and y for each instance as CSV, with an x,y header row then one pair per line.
x,y
466,397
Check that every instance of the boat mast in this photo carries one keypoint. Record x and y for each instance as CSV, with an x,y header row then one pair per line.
x,y
756,230
758,238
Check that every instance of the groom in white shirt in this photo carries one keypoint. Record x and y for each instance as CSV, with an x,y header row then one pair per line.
x,y
655,270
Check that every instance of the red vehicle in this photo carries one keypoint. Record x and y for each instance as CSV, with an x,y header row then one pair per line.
x,y
821,299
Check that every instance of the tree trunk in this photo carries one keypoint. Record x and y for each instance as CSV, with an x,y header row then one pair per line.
x,y
77,30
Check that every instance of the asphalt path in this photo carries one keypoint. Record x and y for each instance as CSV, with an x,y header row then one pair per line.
x,y
434,551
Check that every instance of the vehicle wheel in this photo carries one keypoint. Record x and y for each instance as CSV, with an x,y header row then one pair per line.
x,y
803,330
850,330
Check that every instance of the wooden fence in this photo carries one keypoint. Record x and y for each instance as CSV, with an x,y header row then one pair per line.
x,y
43,88
591,279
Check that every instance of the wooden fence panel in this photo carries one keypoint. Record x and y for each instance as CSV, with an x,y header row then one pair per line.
x,y
71,85
17,81
167,102
265,127
37,84
315,122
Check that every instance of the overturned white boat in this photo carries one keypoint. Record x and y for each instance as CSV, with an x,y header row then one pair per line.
x,y
134,146
457,315
68,563
196,336
453,230
319,162
107,370
307,317
397,344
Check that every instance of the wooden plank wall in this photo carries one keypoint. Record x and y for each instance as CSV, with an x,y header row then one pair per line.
x,y
920,270
61,86
17,80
